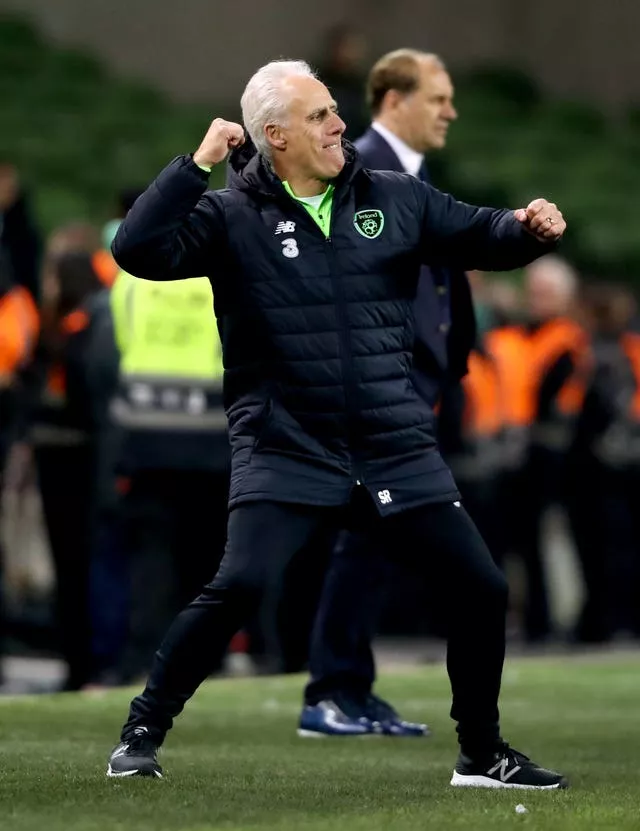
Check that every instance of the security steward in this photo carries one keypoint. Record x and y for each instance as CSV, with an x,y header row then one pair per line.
x,y
19,325
172,461
604,471
65,416
558,371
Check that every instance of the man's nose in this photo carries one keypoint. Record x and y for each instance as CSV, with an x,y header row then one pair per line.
x,y
338,126
450,112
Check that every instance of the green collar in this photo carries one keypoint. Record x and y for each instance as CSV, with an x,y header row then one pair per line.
x,y
320,215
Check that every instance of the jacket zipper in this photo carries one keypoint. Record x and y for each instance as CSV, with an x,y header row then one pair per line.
x,y
349,384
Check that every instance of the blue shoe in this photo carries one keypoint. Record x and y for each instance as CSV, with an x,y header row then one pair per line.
x,y
387,722
326,718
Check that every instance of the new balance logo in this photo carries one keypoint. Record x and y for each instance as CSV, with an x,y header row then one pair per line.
x,y
384,497
120,751
285,228
503,767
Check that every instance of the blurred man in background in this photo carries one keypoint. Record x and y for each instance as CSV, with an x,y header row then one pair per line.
x,y
65,425
20,248
558,362
604,471
20,253
19,325
83,236
410,95
507,345
172,455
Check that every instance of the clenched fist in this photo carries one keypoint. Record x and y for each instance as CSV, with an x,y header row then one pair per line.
x,y
542,219
220,138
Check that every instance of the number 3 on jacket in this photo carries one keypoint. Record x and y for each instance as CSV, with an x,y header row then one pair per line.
x,y
290,248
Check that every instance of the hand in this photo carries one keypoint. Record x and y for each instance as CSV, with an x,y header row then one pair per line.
x,y
542,220
220,138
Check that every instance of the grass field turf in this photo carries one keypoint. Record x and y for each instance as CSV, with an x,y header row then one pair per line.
x,y
235,762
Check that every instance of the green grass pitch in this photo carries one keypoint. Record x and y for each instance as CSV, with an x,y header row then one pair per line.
x,y
234,761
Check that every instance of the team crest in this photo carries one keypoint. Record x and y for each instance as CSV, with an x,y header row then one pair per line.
x,y
369,223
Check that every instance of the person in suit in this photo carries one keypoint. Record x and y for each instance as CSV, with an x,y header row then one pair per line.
x,y
410,95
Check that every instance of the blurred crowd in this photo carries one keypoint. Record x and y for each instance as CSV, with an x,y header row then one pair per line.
x,y
111,397
111,402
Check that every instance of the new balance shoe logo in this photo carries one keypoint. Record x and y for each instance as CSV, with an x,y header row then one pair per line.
x,y
285,228
139,731
503,766
120,751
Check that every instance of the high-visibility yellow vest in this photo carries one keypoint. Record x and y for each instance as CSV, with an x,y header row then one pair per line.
x,y
170,354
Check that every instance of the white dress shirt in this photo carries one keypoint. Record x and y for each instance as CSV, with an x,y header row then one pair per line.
x,y
410,159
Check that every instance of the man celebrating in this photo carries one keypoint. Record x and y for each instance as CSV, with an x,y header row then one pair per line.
x,y
314,262
410,95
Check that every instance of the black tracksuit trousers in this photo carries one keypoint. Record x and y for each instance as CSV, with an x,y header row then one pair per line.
x,y
438,541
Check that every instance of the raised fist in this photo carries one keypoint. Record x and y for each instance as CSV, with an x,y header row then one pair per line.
x,y
220,138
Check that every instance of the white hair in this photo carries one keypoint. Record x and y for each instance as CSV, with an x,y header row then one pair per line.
x,y
262,101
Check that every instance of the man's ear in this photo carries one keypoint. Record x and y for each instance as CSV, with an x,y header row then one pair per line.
x,y
392,98
275,136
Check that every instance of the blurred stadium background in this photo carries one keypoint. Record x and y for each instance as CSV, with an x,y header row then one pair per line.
x,y
95,98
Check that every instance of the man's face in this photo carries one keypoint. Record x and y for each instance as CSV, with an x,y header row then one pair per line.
x,y
425,114
313,130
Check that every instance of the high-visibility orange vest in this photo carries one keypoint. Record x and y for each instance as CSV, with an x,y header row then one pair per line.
x,y
509,347
524,358
56,383
478,454
19,327
630,343
105,267
547,344
483,415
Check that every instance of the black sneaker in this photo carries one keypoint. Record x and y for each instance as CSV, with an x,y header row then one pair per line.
x,y
388,722
505,768
137,756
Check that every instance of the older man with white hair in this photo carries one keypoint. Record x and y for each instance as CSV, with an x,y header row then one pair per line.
x,y
314,262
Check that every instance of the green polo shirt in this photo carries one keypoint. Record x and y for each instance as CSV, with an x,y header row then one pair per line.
x,y
319,209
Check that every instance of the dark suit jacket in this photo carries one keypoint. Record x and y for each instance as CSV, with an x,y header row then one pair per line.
x,y
445,324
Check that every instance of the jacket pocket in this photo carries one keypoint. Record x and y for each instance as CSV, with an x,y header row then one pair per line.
x,y
262,424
